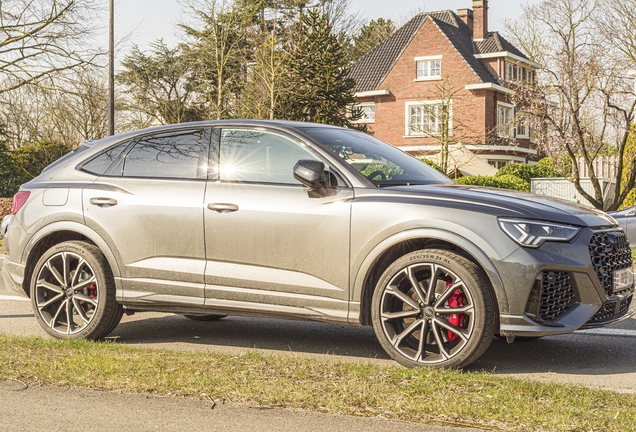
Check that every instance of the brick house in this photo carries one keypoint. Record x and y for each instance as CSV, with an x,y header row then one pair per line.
x,y
446,62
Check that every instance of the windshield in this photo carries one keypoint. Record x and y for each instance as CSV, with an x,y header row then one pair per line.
x,y
378,161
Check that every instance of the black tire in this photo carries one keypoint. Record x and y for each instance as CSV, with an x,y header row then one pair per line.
x,y
73,292
403,310
205,317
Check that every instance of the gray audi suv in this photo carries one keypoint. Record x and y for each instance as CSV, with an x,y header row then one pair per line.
x,y
306,221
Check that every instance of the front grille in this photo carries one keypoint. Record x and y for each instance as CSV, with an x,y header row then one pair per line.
x,y
557,295
609,311
609,251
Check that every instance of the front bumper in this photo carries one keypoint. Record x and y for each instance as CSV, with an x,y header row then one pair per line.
x,y
571,285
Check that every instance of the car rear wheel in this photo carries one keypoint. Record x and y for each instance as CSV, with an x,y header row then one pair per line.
x,y
73,292
434,308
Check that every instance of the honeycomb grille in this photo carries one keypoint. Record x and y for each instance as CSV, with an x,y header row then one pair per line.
x,y
608,311
609,251
557,295
625,305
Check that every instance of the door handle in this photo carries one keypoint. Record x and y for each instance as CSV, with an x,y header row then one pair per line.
x,y
104,202
223,207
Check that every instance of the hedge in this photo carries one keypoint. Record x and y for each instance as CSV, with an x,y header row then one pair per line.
x,y
22,165
432,164
505,181
543,169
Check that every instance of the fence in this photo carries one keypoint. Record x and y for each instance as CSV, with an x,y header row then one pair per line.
x,y
564,189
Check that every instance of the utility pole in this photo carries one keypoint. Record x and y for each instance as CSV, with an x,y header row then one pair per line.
x,y
111,70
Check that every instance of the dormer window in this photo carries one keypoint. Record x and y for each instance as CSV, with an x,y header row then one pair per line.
x,y
428,68
510,72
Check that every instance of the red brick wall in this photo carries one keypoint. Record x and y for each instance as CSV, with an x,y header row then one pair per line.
x,y
469,108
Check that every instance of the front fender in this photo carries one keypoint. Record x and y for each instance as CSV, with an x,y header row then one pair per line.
x,y
425,233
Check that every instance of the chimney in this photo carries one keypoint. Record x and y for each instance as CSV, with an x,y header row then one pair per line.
x,y
466,15
480,26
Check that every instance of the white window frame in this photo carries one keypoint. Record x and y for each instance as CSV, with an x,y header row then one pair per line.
x,y
509,72
529,76
525,135
364,105
429,62
510,133
409,133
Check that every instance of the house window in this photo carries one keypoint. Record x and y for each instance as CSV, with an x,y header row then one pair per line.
x,y
523,131
505,120
529,76
368,112
510,72
428,68
427,118
499,163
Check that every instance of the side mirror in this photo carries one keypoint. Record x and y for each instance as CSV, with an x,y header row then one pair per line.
x,y
310,173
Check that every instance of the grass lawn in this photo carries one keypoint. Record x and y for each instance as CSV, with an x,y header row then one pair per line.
x,y
422,395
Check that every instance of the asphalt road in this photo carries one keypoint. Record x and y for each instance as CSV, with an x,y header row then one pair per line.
x,y
603,358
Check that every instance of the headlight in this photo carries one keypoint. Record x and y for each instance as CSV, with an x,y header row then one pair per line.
x,y
534,233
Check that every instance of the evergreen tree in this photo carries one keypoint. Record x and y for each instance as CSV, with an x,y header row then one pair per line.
x,y
370,36
158,84
318,74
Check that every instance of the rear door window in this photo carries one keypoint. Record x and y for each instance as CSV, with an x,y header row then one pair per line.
x,y
175,155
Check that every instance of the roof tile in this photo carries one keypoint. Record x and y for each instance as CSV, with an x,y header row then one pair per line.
x,y
372,69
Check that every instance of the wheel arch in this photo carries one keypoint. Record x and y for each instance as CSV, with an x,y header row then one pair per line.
x,y
385,253
57,233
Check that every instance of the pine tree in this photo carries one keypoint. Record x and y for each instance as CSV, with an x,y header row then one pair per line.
x,y
318,71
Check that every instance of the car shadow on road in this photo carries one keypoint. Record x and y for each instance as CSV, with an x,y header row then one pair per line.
x,y
254,333
569,354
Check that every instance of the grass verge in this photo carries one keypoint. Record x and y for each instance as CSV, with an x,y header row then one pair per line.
x,y
423,395
634,254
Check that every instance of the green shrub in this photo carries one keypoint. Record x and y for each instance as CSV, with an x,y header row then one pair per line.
x,y
505,181
388,169
527,171
24,164
432,164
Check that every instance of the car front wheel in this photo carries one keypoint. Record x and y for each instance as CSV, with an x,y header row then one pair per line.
x,y
73,292
434,308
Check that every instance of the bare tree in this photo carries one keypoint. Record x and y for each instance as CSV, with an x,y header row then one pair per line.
x,y
438,116
39,39
582,106
76,113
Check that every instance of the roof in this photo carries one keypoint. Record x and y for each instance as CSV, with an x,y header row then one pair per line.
x,y
494,43
371,70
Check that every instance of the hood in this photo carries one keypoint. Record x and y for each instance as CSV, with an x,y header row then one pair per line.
x,y
515,204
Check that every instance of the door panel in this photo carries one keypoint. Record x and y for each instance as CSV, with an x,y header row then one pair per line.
x,y
156,229
280,247
269,245
149,207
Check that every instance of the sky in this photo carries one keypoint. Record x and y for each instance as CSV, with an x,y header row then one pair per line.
x,y
148,20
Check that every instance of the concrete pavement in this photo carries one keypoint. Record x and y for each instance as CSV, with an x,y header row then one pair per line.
x,y
67,410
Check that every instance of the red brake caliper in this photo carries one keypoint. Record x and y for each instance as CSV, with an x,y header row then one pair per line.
x,y
92,291
459,320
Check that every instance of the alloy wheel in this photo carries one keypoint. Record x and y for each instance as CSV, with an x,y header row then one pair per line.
x,y
66,293
427,313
